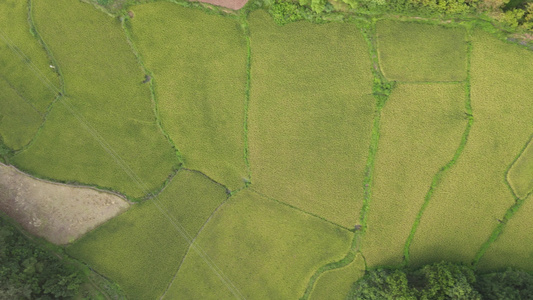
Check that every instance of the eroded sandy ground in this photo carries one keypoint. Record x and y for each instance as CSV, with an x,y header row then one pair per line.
x,y
57,212
232,4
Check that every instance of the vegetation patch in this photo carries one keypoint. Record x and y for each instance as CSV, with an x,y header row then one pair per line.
x,y
336,284
105,115
421,128
421,52
473,196
310,115
257,249
198,64
141,249
520,175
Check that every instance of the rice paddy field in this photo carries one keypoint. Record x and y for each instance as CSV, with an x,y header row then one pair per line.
x,y
268,161
421,128
310,115
202,114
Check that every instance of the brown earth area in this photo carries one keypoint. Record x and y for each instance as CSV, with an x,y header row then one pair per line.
x,y
232,4
57,212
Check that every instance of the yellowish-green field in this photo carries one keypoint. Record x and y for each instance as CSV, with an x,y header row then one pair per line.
x,y
200,81
335,284
262,249
421,128
24,96
513,247
520,175
105,103
142,249
310,115
19,120
473,195
421,52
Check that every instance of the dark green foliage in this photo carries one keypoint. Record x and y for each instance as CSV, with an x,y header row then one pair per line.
x,y
382,284
30,272
510,284
443,281
285,12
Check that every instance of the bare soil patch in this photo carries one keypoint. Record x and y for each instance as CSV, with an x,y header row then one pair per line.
x,y
57,212
231,4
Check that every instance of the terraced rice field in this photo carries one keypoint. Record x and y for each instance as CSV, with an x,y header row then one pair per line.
x,y
460,214
521,173
142,249
262,249
310,115
421,128
272,161
204,113
421,52
337,283
105,114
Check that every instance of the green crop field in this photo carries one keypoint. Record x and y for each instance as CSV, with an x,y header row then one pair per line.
x,y
19,120
513,247
141,249
25,96
272,161
310,121
336,284
263,250
421,128
421,52
520,175
200,82
103,94
473,196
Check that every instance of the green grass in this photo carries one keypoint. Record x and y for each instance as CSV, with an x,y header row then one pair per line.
x,y
264,250
140,250
473,195
335,284
421,52
512,248
199,66
310,115
421,128
20,53
520,175
19,120
102,83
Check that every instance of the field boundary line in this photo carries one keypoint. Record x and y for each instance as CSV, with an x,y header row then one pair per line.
x,y
193,241
137,180
151,86
499,229
246,33
443,170
298,209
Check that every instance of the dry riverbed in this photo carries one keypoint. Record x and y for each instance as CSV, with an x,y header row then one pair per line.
x,y
57,212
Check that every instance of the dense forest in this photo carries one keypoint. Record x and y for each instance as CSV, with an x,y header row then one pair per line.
x,y
29,271
443,281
